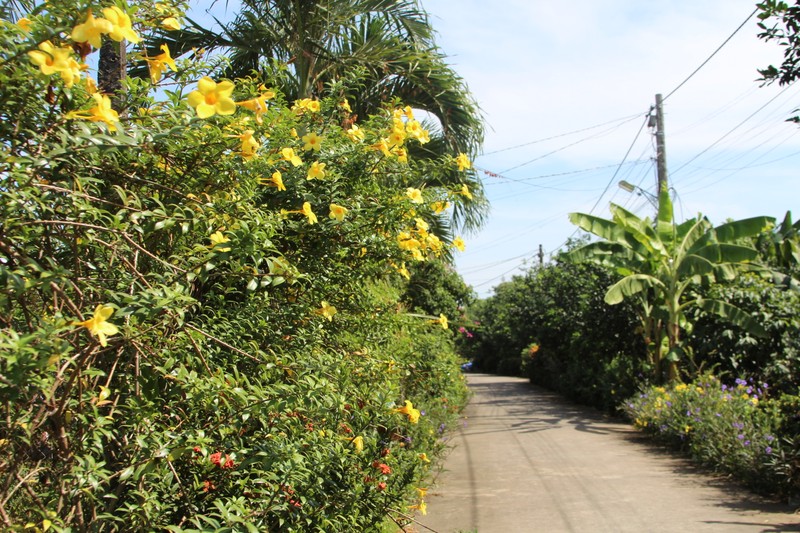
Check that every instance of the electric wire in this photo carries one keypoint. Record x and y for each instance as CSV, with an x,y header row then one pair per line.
x,y
740,124
569,145
626,118
681,84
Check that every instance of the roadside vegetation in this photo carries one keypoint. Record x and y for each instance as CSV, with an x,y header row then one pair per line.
x,y
211,305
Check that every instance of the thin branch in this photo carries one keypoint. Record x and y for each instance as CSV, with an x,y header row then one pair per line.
x,y
223,343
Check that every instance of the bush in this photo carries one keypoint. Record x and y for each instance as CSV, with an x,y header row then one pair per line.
x,y
735,429
200,328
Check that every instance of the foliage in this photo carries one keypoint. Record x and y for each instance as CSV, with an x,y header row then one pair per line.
x,y
731,352
660,262
734,429
779,21
435,288
553,325
200,327
305,46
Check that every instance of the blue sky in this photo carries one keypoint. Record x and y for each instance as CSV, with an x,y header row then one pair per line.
x,y
543,70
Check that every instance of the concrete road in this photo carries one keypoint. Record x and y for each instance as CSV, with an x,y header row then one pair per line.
x,y
526,461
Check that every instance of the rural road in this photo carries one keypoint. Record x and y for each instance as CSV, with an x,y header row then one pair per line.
x,y
526,461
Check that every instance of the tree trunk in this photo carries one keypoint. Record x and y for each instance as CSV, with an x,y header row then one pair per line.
x,y
111,70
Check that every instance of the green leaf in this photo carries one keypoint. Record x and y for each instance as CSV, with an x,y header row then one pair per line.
x,y
630,285
732,314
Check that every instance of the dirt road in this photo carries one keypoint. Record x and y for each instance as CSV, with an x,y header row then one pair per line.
x,y
526,461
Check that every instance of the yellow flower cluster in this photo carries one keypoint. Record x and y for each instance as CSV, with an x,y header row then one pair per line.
x,y
418,240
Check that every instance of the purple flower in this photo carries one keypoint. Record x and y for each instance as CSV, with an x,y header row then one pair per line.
x,y
768,450
769,438
747,443
740,436
741,382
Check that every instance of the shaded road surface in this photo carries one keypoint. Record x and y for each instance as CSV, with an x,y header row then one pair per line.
x,y
526,461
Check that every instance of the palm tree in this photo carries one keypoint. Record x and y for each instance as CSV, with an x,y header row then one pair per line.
x,y
389,42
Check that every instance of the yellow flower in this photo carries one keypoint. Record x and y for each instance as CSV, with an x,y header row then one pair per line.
x,y
312,218
317,171
91,85
306,104
171,23
158,64
344,104
25,24
409,410
218,238
72,74
463,162
313,141
212,98
383,146
249,144
258,105
415,130
101,112
396,138
338,212
327,311
424,458
121,27
421,507
289,155
440,207
442,321
414,194
91,31
50,59
403,271
402,155
458,242
408,112
465,192
98,325
355,133
358,444
276,181
421,224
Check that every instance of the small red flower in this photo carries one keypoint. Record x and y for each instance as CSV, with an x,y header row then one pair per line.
x,y
208,486
228,463
215,458
382,486
383,467
385,452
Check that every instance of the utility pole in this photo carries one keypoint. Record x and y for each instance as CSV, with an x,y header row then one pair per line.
x,y
541,255
661,154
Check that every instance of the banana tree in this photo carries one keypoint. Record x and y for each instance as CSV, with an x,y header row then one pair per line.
x,y
661,261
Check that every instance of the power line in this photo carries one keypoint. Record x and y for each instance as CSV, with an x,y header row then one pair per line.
x,y
569,145
560,135
613,177
712,55
740,124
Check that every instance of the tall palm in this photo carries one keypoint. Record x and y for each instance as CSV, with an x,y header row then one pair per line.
x,y
390,42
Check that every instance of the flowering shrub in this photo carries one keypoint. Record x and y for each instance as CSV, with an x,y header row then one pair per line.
x,y
734,429
198,296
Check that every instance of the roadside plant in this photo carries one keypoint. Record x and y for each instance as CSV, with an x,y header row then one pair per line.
x,y
660,262
736,428
183,346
